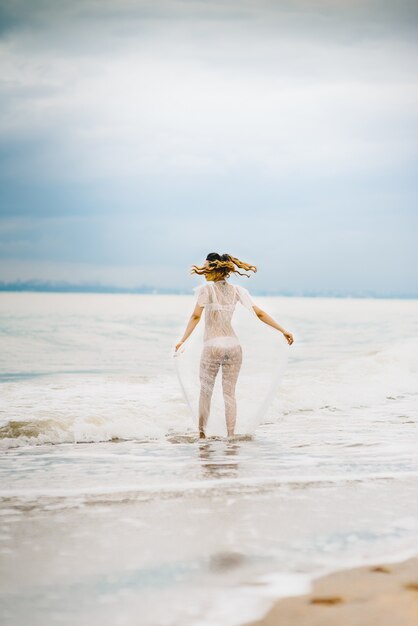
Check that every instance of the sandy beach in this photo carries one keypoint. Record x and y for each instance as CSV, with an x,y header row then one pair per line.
x,y
380,595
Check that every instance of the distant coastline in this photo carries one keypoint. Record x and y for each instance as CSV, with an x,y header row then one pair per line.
x,y
63,287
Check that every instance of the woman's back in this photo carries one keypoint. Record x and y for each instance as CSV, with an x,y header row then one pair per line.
x,y
219,299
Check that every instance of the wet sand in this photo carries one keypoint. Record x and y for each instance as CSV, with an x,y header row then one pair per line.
x,y
380,595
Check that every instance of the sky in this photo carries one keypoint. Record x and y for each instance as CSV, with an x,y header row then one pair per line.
x,y
138,136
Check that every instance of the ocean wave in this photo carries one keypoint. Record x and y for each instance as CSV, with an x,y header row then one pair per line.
x,y
82,408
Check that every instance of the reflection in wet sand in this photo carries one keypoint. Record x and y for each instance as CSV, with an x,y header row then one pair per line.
x,y
219,460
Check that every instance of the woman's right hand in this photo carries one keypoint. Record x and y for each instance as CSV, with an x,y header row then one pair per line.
x,y
289,337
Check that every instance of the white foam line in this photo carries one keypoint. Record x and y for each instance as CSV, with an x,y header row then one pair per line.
x,y
204,485
256,600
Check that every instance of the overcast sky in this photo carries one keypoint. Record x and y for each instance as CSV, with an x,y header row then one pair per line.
x,y
136,137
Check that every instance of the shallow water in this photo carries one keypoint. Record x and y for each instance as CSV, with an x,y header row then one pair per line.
x,y
113,512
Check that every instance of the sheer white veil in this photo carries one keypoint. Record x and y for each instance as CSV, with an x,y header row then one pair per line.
x,y
228,321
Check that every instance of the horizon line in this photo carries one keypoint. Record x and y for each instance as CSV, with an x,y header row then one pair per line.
x,y
36,285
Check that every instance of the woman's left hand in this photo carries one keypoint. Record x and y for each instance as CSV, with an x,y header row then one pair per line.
x,y
179,344
289,337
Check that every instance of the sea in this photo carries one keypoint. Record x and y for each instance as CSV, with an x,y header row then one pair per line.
x,y
114,513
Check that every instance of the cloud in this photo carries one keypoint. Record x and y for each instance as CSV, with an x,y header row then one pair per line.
x,y
252,126
149,112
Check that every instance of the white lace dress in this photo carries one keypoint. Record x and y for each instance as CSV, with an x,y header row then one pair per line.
x,y
221,347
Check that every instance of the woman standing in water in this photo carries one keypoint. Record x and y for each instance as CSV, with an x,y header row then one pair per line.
x,y
221,347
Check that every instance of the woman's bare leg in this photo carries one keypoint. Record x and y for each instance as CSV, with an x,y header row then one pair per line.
x,y
210,362
231,366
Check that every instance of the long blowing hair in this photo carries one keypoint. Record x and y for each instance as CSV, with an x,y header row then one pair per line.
x,y
220,266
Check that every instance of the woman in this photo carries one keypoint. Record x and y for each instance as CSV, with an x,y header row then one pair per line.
x,y
221,347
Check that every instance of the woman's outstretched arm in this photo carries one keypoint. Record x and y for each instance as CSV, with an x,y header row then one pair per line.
x,y
193,322
267,319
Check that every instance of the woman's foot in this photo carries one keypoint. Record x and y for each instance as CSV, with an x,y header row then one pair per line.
x,y
202,435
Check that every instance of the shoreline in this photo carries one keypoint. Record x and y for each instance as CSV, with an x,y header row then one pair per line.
x,y
383,593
